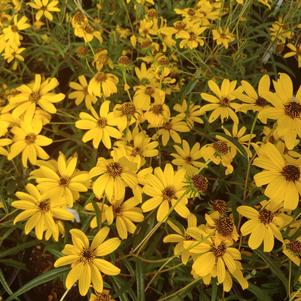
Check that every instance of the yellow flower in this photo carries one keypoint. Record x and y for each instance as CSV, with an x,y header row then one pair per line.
x,y
192,37
100,126
28,141
61,180
221,103
81,92
102,59
295,51
103,84
35,93
86,266
188,158
167,191
223,36
157,114
103,296
292,249
40,212
281,175
217,260
286,110
280,31
263,225
170,129
44,8
114,177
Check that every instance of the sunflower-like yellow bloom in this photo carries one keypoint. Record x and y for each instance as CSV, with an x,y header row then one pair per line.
x,y
114,176
281,174
263,225
167,190
28,141
35,93
217,260
44,8
103,296
81,93
223,36
286,110
86,266
100,126
222,103
292,249
61,180
40,212
103,84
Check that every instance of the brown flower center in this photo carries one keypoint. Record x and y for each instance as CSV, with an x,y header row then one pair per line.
x,y
169,193
34,97
64,181
266,216
291,173
152,13
44,206
128,109
14,28
221,147
180,25
219,250
261,102
224,226
30,138
114,169
157,109
124,60
295,247
200,183
149,91
293,110
104,296
135,151
167,126
87,255
100,77
220,206
224,102
102,122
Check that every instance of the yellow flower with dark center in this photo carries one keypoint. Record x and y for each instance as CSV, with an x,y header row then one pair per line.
x,y
223,37
36,93
295,51
157,114
81,92
292,249
44,8
61,180
222,103
28,141
263,225
167,190
126,114
86,266
103,84
187,158
286,110
100,126
281,174
40,212
103,296
113,177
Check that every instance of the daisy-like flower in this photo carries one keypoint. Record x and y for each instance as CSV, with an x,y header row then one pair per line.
x,y
222,103
292,249
103,84
295,51
100,126
263,225
192,37
255,101
125,214
286,110
86,266
28,141
40,212
61,180
218,260
190,112
171,128
167,190
220,152
44,8
35,93
103,296
157,114
81,92
281,174
114,175
188,158
223,36
125,115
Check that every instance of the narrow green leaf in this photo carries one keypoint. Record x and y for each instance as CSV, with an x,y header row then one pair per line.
x,y
260,294
41,279
4,283
18,248
140,280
